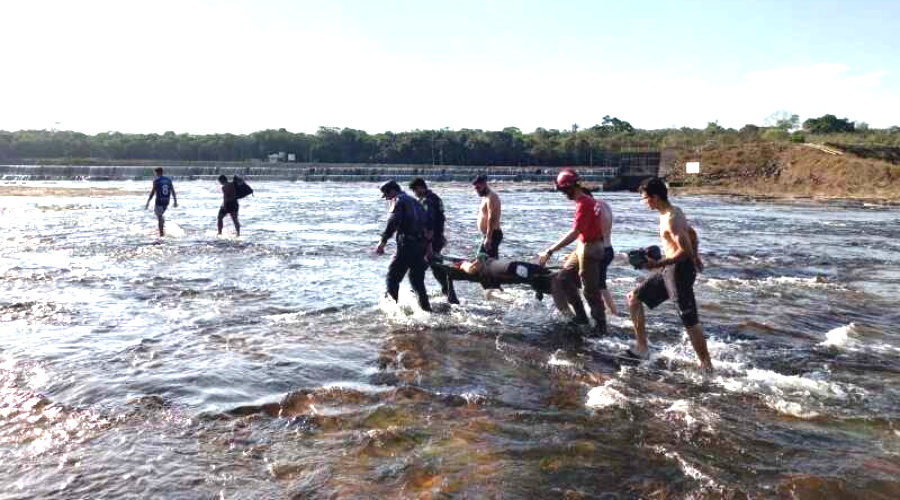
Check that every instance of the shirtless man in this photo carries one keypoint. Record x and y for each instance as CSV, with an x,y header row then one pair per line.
x,y
229,205
162,189
679,267
488,218
606,222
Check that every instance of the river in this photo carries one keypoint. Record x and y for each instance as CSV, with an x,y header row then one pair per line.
x,y
269,366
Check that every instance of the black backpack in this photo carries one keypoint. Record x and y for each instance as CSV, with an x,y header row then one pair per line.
x,y
241,188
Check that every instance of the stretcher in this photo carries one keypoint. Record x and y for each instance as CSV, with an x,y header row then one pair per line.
x,y
521,273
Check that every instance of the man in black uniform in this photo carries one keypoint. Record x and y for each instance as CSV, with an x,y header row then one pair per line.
x,y
409,220
435,232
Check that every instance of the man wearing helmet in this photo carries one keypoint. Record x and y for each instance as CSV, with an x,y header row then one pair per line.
x,y
409,221
585,262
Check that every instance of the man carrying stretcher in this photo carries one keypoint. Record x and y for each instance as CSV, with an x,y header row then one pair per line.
x,y
587,262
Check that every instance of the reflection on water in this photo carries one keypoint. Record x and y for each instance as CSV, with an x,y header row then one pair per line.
x,y
268,366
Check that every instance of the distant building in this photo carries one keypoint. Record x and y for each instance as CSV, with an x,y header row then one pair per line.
x,y
280,156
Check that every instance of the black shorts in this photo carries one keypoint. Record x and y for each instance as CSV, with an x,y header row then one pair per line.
x,y
608,255
229,207
653,292
494,251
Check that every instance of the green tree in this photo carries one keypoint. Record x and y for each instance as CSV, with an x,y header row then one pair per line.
x,y
713,128
775,135
828,124
783,120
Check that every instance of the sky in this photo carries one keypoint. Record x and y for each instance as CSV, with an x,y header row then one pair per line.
x,y
219,66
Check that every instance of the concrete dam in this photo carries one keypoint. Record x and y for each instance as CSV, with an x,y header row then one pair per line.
x,y
614,171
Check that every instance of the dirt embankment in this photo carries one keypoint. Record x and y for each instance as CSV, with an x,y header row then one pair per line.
x,y
787,170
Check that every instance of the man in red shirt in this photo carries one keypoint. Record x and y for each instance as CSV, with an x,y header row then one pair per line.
x,y
585,262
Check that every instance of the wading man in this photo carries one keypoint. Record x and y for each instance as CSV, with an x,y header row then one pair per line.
x,y
606,223
488,218
162,189
409,221
584,264
229,205
678,272
434,207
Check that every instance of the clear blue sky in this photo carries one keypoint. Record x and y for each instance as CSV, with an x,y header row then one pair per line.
x,y
240,66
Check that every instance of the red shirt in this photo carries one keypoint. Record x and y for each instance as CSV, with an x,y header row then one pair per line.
x,y
587,219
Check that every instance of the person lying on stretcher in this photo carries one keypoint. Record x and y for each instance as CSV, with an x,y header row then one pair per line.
x,y
503,269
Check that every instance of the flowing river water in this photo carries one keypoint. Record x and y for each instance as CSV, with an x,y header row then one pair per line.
x,y
269,366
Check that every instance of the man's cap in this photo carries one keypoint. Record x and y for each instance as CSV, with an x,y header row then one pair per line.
x,y
417,182
389,186
479,179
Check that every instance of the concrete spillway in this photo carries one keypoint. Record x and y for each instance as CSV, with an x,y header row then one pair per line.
x,y
611,174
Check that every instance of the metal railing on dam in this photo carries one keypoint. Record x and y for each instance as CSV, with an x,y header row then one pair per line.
x,y
646,164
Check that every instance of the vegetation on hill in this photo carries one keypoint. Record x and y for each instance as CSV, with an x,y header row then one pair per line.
x,y
575,146
788,170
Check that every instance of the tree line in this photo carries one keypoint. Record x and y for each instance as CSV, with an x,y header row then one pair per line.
x,y
510,146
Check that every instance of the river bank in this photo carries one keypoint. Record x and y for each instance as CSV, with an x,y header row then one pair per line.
x,y
788,171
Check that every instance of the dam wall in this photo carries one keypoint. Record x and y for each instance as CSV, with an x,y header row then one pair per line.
x,y
617,171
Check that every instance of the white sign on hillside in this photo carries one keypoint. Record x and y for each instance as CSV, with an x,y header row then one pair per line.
x,y
692,167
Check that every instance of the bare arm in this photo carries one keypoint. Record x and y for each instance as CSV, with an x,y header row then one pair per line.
x,y
174,197
562,243
695,243
152,194
493,214
606,221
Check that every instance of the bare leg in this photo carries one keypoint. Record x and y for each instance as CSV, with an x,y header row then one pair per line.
x,y
610,303
237,225
162,224
695,333
219,224
636,308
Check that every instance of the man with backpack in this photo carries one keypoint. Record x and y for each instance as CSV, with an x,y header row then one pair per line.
x,y
229,204
409,221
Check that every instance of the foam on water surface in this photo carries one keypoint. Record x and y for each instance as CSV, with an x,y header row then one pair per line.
x,y
606,396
